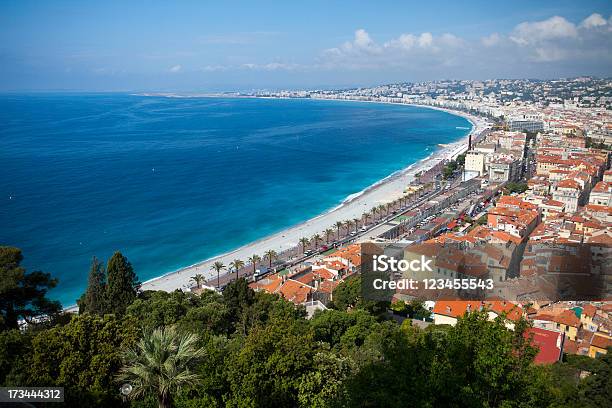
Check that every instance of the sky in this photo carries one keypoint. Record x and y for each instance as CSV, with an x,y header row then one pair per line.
x,y
199,46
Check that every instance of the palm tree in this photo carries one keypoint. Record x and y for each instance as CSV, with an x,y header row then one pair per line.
x,y
271,255
338,226
253,260
218,266
161,364
374,212
381,208
236,265
304,241
316,238
366,216
347,225
356,221
328,232
198,279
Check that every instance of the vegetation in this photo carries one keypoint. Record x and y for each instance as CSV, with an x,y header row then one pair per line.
x,y
161,364
22,294
516,187
597,144
452,166
122,283
304,243
238,264
109,290
218,266
271,256
253,260
251,349
199,279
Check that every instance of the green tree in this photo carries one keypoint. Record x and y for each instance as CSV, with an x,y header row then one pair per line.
x,y
14,348
238,296
596,390
271,255
94,300
322,386
316,238
254,260
304,242
328,233
81,356
218,266
266,370
460,160
513,187
338,226
331,326
417,310
153,309
23,294
199,279
122,283
348,224
483,361
348,294
236,265
161,363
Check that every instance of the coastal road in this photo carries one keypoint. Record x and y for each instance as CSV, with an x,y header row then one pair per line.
x,y
286,240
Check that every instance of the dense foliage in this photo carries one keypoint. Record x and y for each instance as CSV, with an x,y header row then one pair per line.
x,y
452,166
516,187
251,349
22,294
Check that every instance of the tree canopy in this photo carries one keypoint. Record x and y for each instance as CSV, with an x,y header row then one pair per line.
x,y
259,350
23,295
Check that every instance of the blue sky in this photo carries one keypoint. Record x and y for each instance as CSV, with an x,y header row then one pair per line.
x,y
229,45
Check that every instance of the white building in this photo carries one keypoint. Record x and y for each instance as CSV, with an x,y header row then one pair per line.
x,y
475,162
601,194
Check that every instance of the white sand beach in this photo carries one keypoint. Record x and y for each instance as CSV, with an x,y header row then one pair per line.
x,y
382,192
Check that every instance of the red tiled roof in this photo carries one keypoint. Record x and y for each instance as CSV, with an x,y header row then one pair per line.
x,y
457,308
547,342
567,183
589,310
601,342
566,317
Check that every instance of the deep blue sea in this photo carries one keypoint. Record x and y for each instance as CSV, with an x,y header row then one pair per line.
x,y
171,181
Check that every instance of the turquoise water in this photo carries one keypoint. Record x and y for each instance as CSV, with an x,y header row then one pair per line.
x,y
171,182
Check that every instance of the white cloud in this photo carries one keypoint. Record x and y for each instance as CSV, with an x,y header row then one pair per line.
x,y
407,49
425,40
491,40
175,68
594,20
533,32
362,44
550,47
406,41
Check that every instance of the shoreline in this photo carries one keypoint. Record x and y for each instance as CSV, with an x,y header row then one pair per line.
x,y
384,190
354,205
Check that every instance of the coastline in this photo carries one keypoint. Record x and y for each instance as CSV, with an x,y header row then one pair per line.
x,y
384,190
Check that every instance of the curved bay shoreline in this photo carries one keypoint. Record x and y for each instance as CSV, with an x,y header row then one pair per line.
x,y
385,190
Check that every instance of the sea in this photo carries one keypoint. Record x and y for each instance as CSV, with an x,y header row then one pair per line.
x,y
170,181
